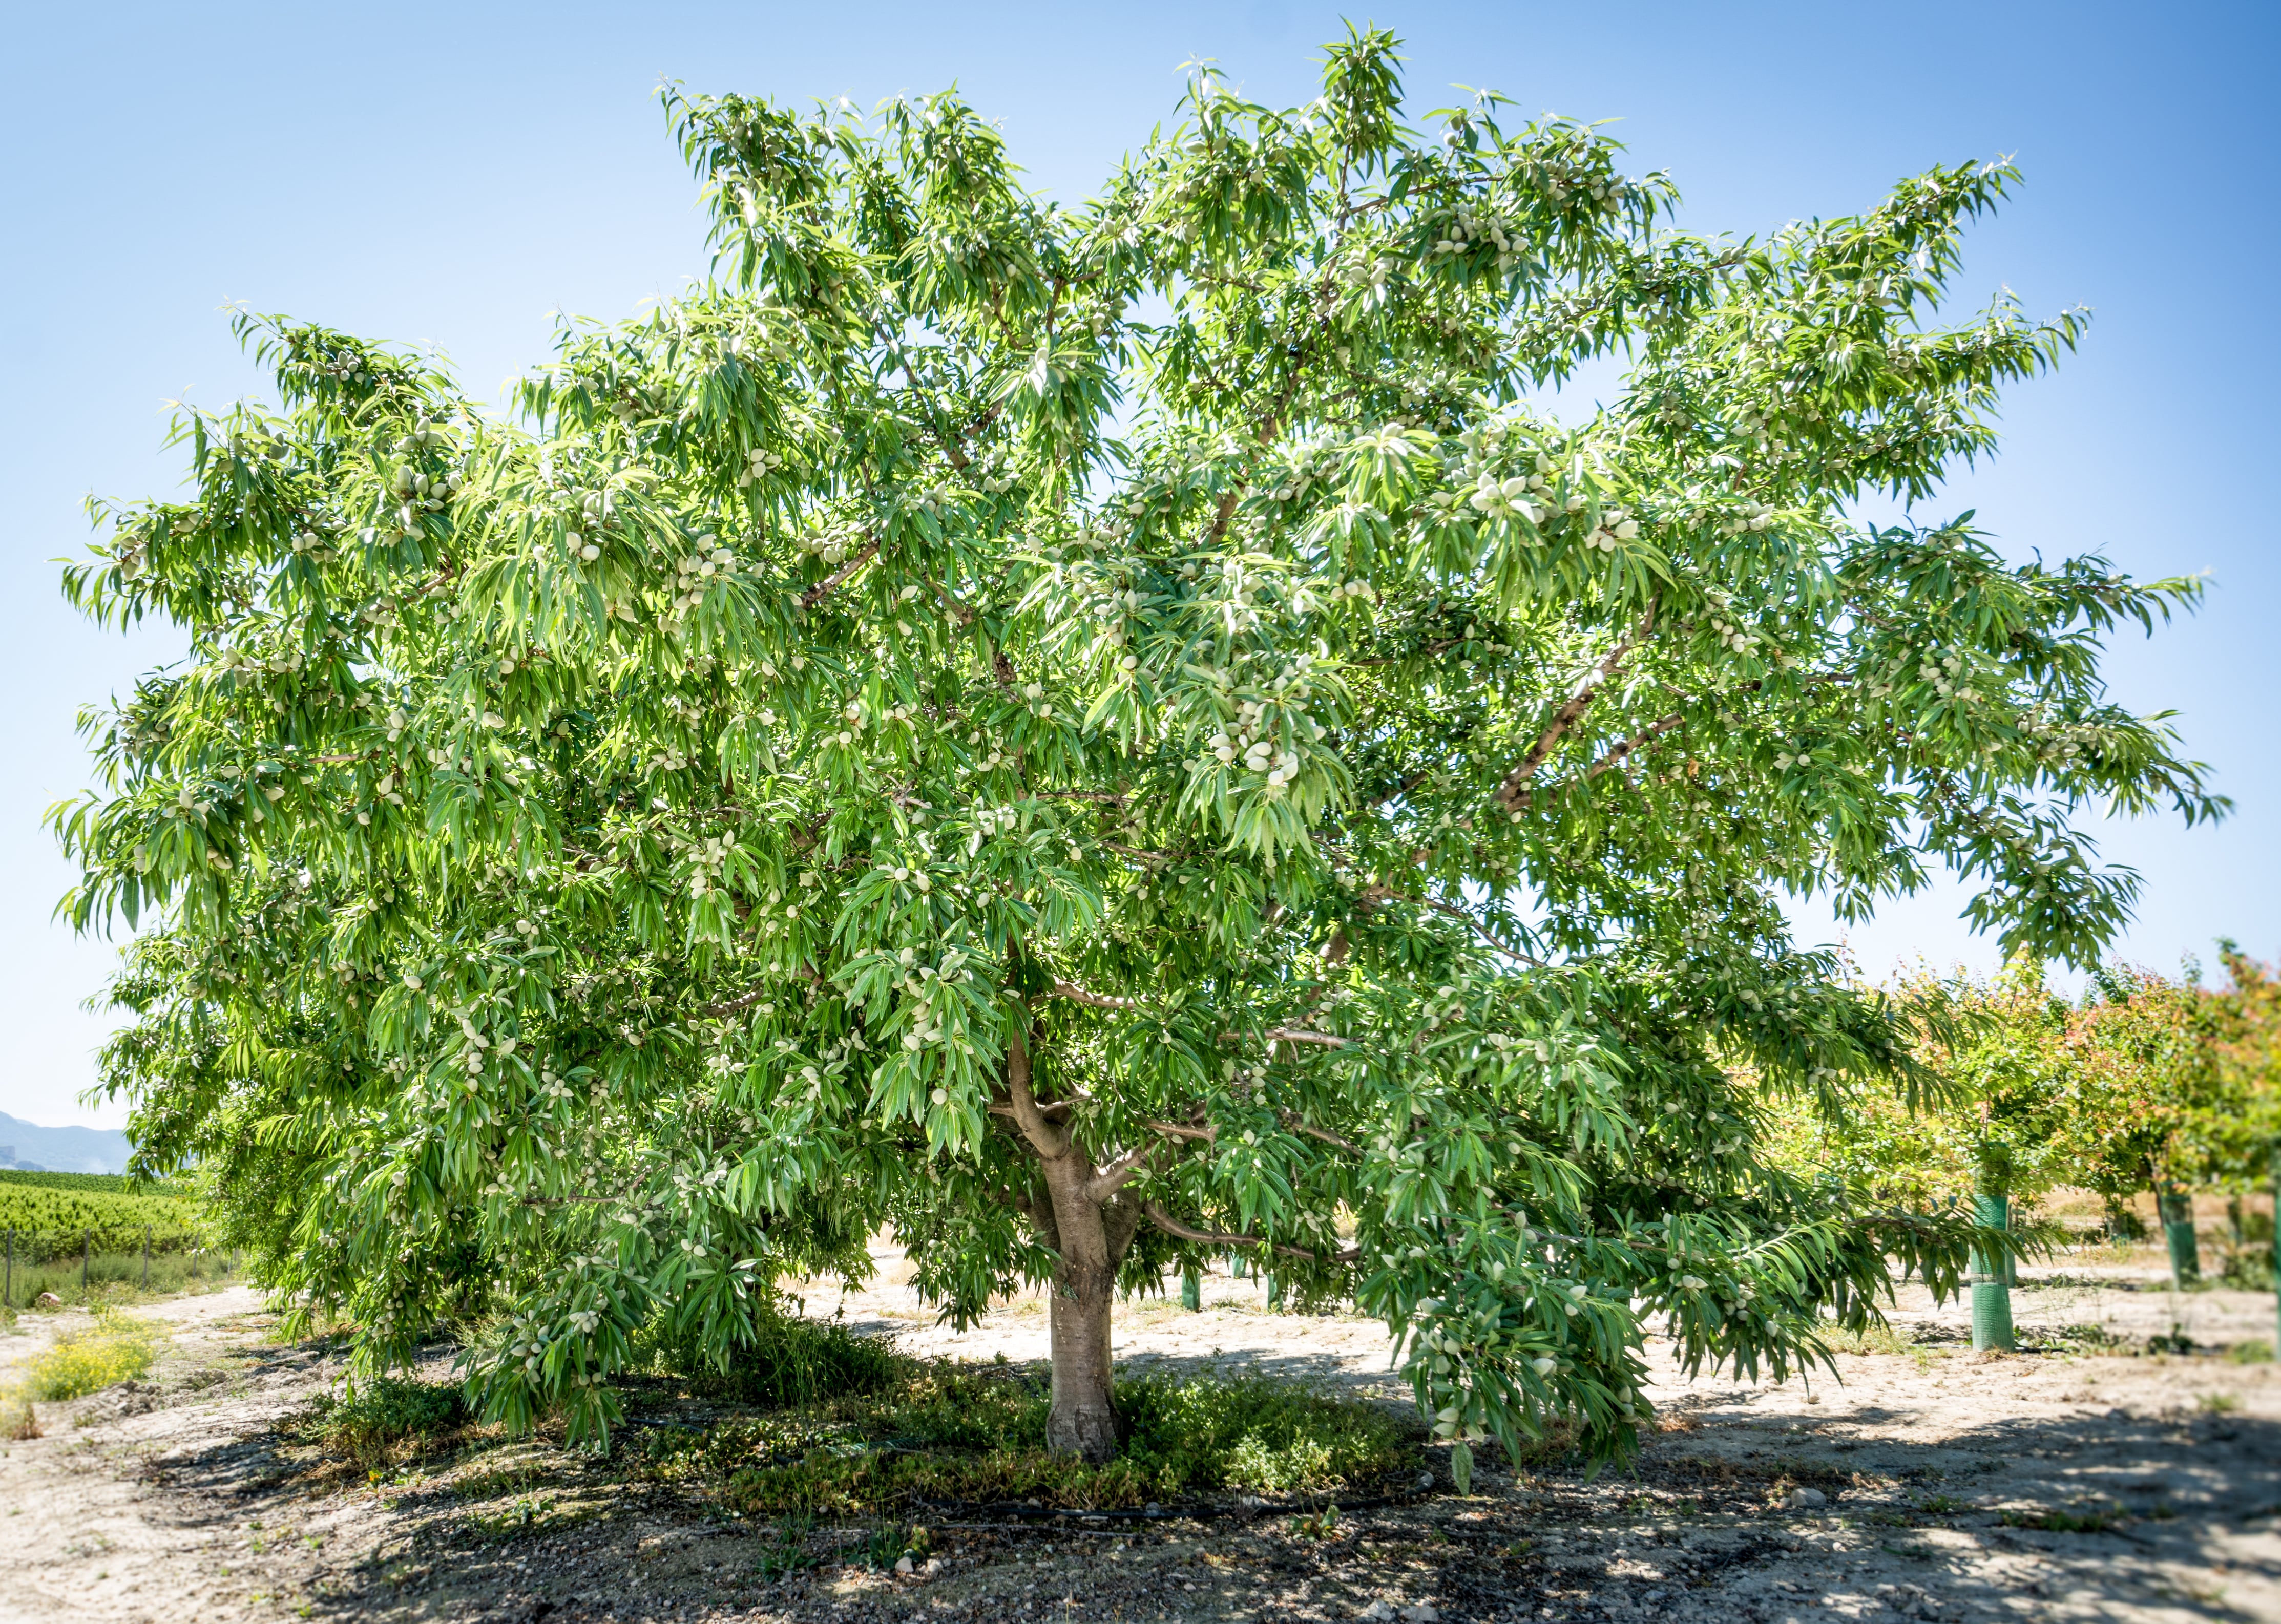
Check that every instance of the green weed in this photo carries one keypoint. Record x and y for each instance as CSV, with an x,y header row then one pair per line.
x,y
1867,1339
790,1550
382,1420
2254,1351
791,1360
942,1433
113,1278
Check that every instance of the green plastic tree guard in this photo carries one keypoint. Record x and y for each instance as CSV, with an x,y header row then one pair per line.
x,y
1991,1297
1192,1290
2177,1212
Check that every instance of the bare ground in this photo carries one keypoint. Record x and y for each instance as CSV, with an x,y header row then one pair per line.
x,y
2064,1484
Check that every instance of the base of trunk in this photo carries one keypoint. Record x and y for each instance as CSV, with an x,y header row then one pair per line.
x,y
1082,1420
1085,1430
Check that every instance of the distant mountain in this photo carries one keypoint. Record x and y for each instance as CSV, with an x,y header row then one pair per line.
x,y
62,1150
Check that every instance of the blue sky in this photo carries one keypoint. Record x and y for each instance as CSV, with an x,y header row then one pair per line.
x,y
455,174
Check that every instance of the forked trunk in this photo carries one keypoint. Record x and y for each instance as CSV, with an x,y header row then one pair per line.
x,y
1088,1224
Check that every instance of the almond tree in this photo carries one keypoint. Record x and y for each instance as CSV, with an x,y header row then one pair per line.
x,y
1102,736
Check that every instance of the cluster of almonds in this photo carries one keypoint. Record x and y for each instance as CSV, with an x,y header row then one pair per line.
x,y
1751,516
1468,230
695,568
1261,755
315,544
1739,638
994,473
592,514
832,546
707,858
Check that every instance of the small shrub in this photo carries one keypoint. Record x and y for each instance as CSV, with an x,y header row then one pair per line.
x,y
2218,1403
2254,1351
1256,1433
791,1360
384,1419
115,1347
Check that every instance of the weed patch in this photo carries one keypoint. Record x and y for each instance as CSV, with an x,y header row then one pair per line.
x,y
941,1433
1866,1339
382,1421
115,1347
790,1361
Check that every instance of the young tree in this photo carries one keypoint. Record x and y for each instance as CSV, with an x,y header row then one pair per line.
x,y
1997,1135
2147,1098
2246,1135
1104,735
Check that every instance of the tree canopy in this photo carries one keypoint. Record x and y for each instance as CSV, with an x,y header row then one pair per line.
x,y
1097,736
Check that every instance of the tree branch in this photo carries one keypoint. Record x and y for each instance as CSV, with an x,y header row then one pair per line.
x,y
1121,1171
1483,932
1075,994
1172,1227
1288,1034
1646,735
1051,1142
815,594
1292,1120
732,1006
1510,792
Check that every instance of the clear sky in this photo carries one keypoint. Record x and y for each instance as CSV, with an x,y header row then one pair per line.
x,y
455,173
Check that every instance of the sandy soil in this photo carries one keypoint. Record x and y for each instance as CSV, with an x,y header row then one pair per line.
x,y
1914,1488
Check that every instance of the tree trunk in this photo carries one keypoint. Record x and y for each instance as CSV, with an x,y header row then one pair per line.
x,y
2176,1209
1090,1232
1083,1418
1992,1291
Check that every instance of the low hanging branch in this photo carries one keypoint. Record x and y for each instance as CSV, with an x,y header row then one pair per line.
x,y
1172,1227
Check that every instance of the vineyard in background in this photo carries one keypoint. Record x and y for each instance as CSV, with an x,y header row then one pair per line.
x,y
91,1236
55,1213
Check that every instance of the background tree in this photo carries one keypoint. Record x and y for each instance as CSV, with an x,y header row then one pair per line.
x,y
1102,735
2147,1098
2246,1135
1997,1136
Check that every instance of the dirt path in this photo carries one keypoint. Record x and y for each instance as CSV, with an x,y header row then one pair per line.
x,y
2069,1485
